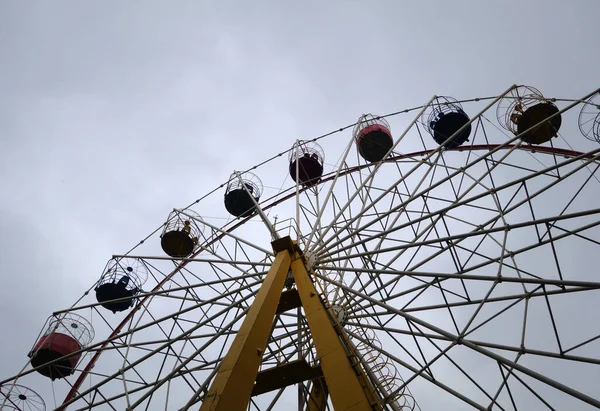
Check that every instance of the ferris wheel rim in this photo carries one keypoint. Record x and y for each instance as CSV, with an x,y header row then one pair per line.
x,y
326,178
267,204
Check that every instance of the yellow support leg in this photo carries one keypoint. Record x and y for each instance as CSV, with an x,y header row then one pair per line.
x,y
343,383
317,401
232,386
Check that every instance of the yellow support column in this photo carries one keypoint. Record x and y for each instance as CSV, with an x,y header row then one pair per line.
x,y
232,386
317,401
343,384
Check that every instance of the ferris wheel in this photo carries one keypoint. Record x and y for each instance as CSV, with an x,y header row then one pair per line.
x,y
450,265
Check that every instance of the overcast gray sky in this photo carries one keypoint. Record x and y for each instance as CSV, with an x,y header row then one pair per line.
x,y
113,112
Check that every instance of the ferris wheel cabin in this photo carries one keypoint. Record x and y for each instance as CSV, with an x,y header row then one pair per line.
x,y
444,119
589,118
19,398
242,194
55,355
373,137
121,281
306,160
526,108
180,235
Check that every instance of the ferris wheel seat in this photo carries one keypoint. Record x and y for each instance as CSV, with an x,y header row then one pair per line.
x,y
374,142
55,346
310,170
534,115
448,124
177,243
240,203
112,291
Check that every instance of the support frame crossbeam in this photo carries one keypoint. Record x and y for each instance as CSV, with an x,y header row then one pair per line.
x,y
285,375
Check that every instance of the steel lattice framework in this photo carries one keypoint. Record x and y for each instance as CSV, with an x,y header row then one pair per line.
x,y
454,276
